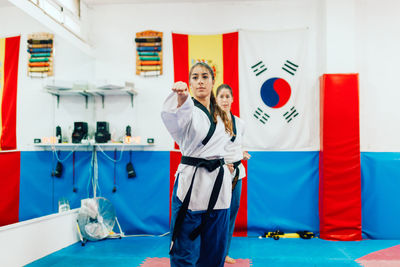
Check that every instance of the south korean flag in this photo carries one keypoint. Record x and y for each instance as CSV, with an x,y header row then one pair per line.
x,y
276,98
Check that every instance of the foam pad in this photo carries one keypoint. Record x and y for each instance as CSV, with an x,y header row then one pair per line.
x,y
340,170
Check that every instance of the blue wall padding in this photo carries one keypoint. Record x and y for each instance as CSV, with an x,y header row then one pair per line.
x,y
282,192
40,192
36,185
63,188
380,181
142,203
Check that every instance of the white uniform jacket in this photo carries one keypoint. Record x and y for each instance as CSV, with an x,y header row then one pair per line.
x,y
188,126
234,148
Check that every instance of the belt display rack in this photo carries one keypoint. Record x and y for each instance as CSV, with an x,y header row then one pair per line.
x,y
149,53
40,48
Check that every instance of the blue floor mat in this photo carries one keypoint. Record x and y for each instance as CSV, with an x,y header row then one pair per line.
x,y
133,251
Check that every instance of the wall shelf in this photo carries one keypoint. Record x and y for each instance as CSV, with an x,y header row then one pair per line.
x,y
105,92
53,90
102,92
90,146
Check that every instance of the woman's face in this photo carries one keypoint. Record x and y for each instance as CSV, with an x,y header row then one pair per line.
x,y
201,82
225,99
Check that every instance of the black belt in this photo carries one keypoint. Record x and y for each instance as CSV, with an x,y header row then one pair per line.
x,y
210,165
237,173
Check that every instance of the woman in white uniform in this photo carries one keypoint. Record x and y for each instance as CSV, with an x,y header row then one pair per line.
x,y
203,184
234,156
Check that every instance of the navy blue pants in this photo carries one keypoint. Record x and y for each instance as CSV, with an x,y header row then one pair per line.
x,y
235,201
209,248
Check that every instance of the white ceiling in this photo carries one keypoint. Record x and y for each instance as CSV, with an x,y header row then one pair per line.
x,y
108,2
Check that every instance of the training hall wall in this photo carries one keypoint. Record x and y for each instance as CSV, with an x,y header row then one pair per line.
x,y
282,192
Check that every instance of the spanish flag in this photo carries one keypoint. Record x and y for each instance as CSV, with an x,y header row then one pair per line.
x,y
9,55
221,52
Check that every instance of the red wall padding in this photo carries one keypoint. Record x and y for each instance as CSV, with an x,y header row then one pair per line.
x,y
340,169
241,218
9,187
174,160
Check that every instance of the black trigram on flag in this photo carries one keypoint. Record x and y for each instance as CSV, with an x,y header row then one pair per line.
x,y
259,68
290,67
289,115
260,115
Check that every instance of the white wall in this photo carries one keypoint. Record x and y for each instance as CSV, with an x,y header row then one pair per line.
x,y
360,36
370,47
35,110
378,57
115,27
339,32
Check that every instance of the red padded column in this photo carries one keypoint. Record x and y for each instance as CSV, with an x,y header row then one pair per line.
x,y
9,187
174,160
340,172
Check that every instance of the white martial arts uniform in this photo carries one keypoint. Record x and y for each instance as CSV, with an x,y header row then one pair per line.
x,y
234,155
189,126
234,148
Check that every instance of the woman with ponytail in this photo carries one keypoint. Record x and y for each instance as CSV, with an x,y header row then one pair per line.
x,y
234,156
203,184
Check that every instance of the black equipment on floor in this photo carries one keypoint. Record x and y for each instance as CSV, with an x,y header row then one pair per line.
x,y
80,132
102,134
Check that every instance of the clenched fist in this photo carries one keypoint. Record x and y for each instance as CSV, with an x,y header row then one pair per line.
x,y
182,91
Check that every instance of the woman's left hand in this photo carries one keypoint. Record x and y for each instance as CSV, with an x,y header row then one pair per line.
x,y
230,167
246,155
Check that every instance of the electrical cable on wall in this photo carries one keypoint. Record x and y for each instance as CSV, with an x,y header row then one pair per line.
x,y
74,189
53,148
113,160
115,170
91,174
95,175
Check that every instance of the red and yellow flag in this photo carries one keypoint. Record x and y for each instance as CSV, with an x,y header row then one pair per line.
x,y
9,55
220,51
